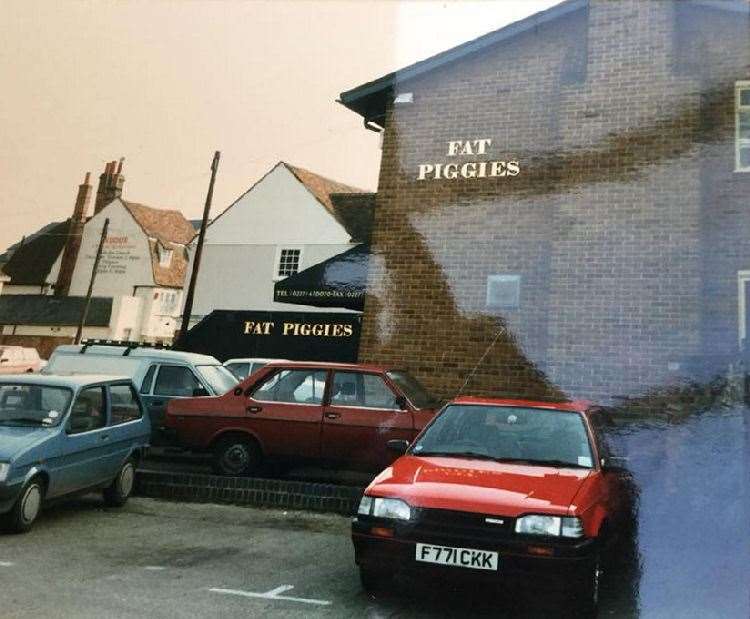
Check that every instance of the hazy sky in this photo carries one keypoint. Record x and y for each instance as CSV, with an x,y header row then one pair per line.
x,y
164,84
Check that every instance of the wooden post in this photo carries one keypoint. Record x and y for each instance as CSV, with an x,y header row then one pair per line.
x,y
85,312
188,310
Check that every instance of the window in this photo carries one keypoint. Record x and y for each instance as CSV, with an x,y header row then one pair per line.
x,y
124,404
362,390
148,380
165,256
288,262
87,412
240,370
176,381
742,152
504,291
293,387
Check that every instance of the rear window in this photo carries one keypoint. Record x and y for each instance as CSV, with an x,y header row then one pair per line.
x,y
124,404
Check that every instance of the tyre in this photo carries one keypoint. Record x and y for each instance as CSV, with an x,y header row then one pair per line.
x,y
374,581
21,518
117,494
586,602
235,456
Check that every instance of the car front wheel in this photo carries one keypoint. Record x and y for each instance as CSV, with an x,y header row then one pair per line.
x,y
119,492
21,518
236,456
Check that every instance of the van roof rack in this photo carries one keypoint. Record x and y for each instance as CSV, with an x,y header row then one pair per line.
x,y
129,345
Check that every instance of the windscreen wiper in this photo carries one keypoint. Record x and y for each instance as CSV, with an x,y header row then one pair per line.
x,y
554,463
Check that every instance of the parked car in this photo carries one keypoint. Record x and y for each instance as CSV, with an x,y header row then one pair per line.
x,y
298,411
497,489
61,436
242,368
19,359
159,374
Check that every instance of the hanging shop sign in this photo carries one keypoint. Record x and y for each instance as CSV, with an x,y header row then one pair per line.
x,y
469,169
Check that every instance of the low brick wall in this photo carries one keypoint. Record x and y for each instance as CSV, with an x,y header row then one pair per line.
x,y
248,491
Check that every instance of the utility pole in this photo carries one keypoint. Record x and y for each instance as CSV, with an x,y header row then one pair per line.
x,y
85,312
188,310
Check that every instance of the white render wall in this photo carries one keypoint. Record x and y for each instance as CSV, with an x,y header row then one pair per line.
x,y
240,250
126,259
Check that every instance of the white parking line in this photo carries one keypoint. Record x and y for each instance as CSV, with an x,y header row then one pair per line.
x,y
6,564
154,568
273,594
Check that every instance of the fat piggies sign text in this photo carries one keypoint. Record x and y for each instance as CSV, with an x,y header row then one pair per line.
x,y
469,169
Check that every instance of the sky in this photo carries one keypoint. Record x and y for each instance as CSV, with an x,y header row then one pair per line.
x,y
166,83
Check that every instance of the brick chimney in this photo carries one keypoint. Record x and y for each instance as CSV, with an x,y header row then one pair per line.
x,y
73,242
110,185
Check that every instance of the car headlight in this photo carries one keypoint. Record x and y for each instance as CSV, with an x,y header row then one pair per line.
x,y
551,526
4,470
394,509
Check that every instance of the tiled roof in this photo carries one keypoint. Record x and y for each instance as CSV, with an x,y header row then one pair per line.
x,y
171,230
344,210
33,309
356,212
165,225
32,260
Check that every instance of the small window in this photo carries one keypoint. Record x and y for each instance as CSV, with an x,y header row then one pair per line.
x,y
165,256
87,412
362,390
742,151
240,370
124,404
176,381
293,387
288,262
504,291
148,380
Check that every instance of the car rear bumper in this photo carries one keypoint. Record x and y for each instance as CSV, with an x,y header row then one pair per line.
x,y
569,563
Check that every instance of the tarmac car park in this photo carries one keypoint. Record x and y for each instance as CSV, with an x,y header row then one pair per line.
x,y
497,490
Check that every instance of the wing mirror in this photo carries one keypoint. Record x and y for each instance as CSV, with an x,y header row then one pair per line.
x,y
398,446
238,391
402,403
199,392
613,462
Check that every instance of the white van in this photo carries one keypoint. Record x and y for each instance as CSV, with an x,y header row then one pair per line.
x,y
159,374
19,360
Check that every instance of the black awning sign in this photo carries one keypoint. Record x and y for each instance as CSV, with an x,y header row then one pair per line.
x,y
297,329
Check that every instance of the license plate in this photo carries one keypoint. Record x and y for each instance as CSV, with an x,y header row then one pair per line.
x,y
458,557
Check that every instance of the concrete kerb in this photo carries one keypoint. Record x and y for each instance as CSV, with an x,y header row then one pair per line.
x,y
197,488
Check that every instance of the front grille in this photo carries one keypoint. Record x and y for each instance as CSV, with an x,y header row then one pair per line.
x,y
441,523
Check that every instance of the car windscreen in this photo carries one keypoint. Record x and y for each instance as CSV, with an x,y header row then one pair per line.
x,y
412,389
218,378
33,405
532,435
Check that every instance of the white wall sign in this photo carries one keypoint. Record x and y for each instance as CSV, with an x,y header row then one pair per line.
x,y
469,169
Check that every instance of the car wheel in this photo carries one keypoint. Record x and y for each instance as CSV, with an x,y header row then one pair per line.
x,y
21,518
118,493
374,581
236,456
587,598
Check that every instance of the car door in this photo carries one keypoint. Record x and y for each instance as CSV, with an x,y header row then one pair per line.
x,y
84,448
168,381
363,413
126,428
285,410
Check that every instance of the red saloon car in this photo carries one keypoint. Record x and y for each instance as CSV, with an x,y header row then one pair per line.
x,y
343,414
516,490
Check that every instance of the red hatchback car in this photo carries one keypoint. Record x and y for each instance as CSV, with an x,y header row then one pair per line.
x,y
343,414
498,489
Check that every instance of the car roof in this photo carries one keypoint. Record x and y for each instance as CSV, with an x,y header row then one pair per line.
x,y
336,366
579,406
72,381
140,353
253,360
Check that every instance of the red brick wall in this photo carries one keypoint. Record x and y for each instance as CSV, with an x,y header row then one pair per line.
x,y
610,223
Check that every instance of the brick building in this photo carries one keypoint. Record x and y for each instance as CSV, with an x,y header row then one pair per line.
x,y
563,203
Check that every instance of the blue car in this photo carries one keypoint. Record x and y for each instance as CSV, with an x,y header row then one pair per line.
x,y
66,435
